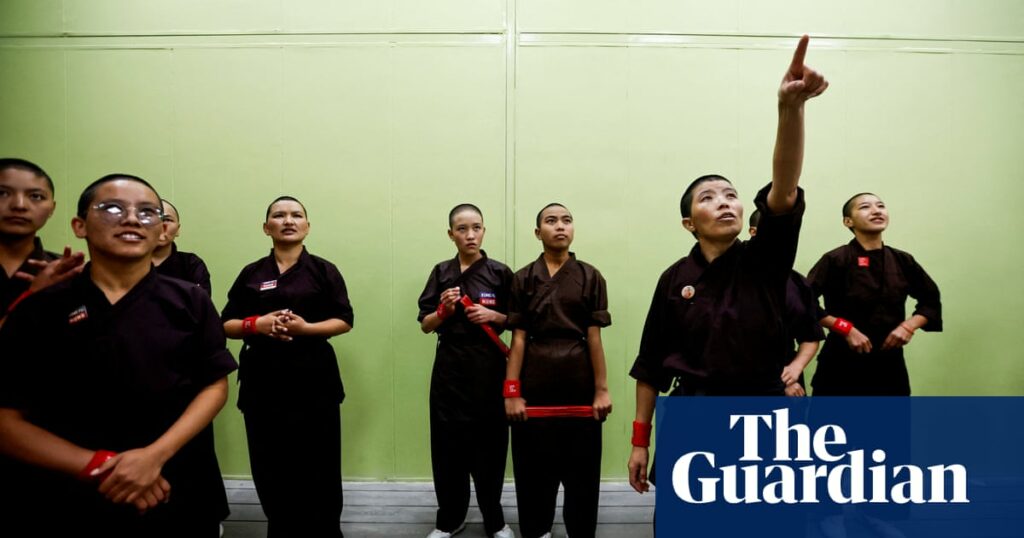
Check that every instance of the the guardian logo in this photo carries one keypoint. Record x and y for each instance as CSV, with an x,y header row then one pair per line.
x,y
819,470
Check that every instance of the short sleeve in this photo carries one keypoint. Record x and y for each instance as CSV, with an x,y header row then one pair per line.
x,y
240,300
201,275
431,295
339,305
504,291
805,326
774,247
926,292
519,300
648,366
212,360
817,279
597,300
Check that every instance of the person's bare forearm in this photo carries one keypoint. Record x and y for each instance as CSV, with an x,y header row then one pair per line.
x,y
430,323
804,353
799,84
26,442
646,397
327,328
597,360
788,160
199,413
515,354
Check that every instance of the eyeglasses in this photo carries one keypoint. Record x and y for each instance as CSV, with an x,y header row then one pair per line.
x,y
116,213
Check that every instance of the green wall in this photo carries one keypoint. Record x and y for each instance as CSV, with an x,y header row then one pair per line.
x,y
381,115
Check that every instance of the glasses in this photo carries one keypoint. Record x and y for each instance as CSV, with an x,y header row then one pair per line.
x,y
116,213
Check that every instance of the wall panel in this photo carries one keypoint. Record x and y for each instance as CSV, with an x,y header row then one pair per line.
x,y
381,116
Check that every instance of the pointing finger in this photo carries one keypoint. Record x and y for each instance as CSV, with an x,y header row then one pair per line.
x,y
796,67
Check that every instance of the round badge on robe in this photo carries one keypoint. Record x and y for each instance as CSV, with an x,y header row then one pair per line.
x,y
688,292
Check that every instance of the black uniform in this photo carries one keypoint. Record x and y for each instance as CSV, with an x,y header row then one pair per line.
x,y
290,394
468,429
186,266
802,316
556,313
116,377
869,288
11,287
719,327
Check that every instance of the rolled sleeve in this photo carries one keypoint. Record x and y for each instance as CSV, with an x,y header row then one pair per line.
x,y
431,296
340,307
519,298
240,300
774,247
599,315
213,360
926,292
649,364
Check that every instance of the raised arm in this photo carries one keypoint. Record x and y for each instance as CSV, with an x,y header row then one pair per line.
x,y
799,84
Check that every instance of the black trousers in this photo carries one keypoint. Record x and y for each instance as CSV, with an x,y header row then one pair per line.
x,y
553,451
295,455
459,451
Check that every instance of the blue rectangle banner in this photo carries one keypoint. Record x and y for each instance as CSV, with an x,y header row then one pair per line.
x,y
839,467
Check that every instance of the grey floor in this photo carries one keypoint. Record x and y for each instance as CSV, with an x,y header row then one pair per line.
x,y
406,510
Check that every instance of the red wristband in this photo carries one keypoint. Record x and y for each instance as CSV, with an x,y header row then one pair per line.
x,y
842,326
20,298
512,389
442,312
906,326
249,326
99,458
641,434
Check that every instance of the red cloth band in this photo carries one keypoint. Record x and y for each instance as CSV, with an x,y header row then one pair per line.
x,y
560,411
442,312
907,327
512,389
20,298
99,458
249,325
641,434
842,326
467,302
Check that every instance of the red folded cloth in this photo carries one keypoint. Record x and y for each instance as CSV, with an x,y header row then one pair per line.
x,y
560,411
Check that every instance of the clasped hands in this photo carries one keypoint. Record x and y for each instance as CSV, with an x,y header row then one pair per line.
x,y
283,325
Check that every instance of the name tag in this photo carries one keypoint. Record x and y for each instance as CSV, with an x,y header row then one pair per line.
x,y
488,298
863,261
268,285
78,315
